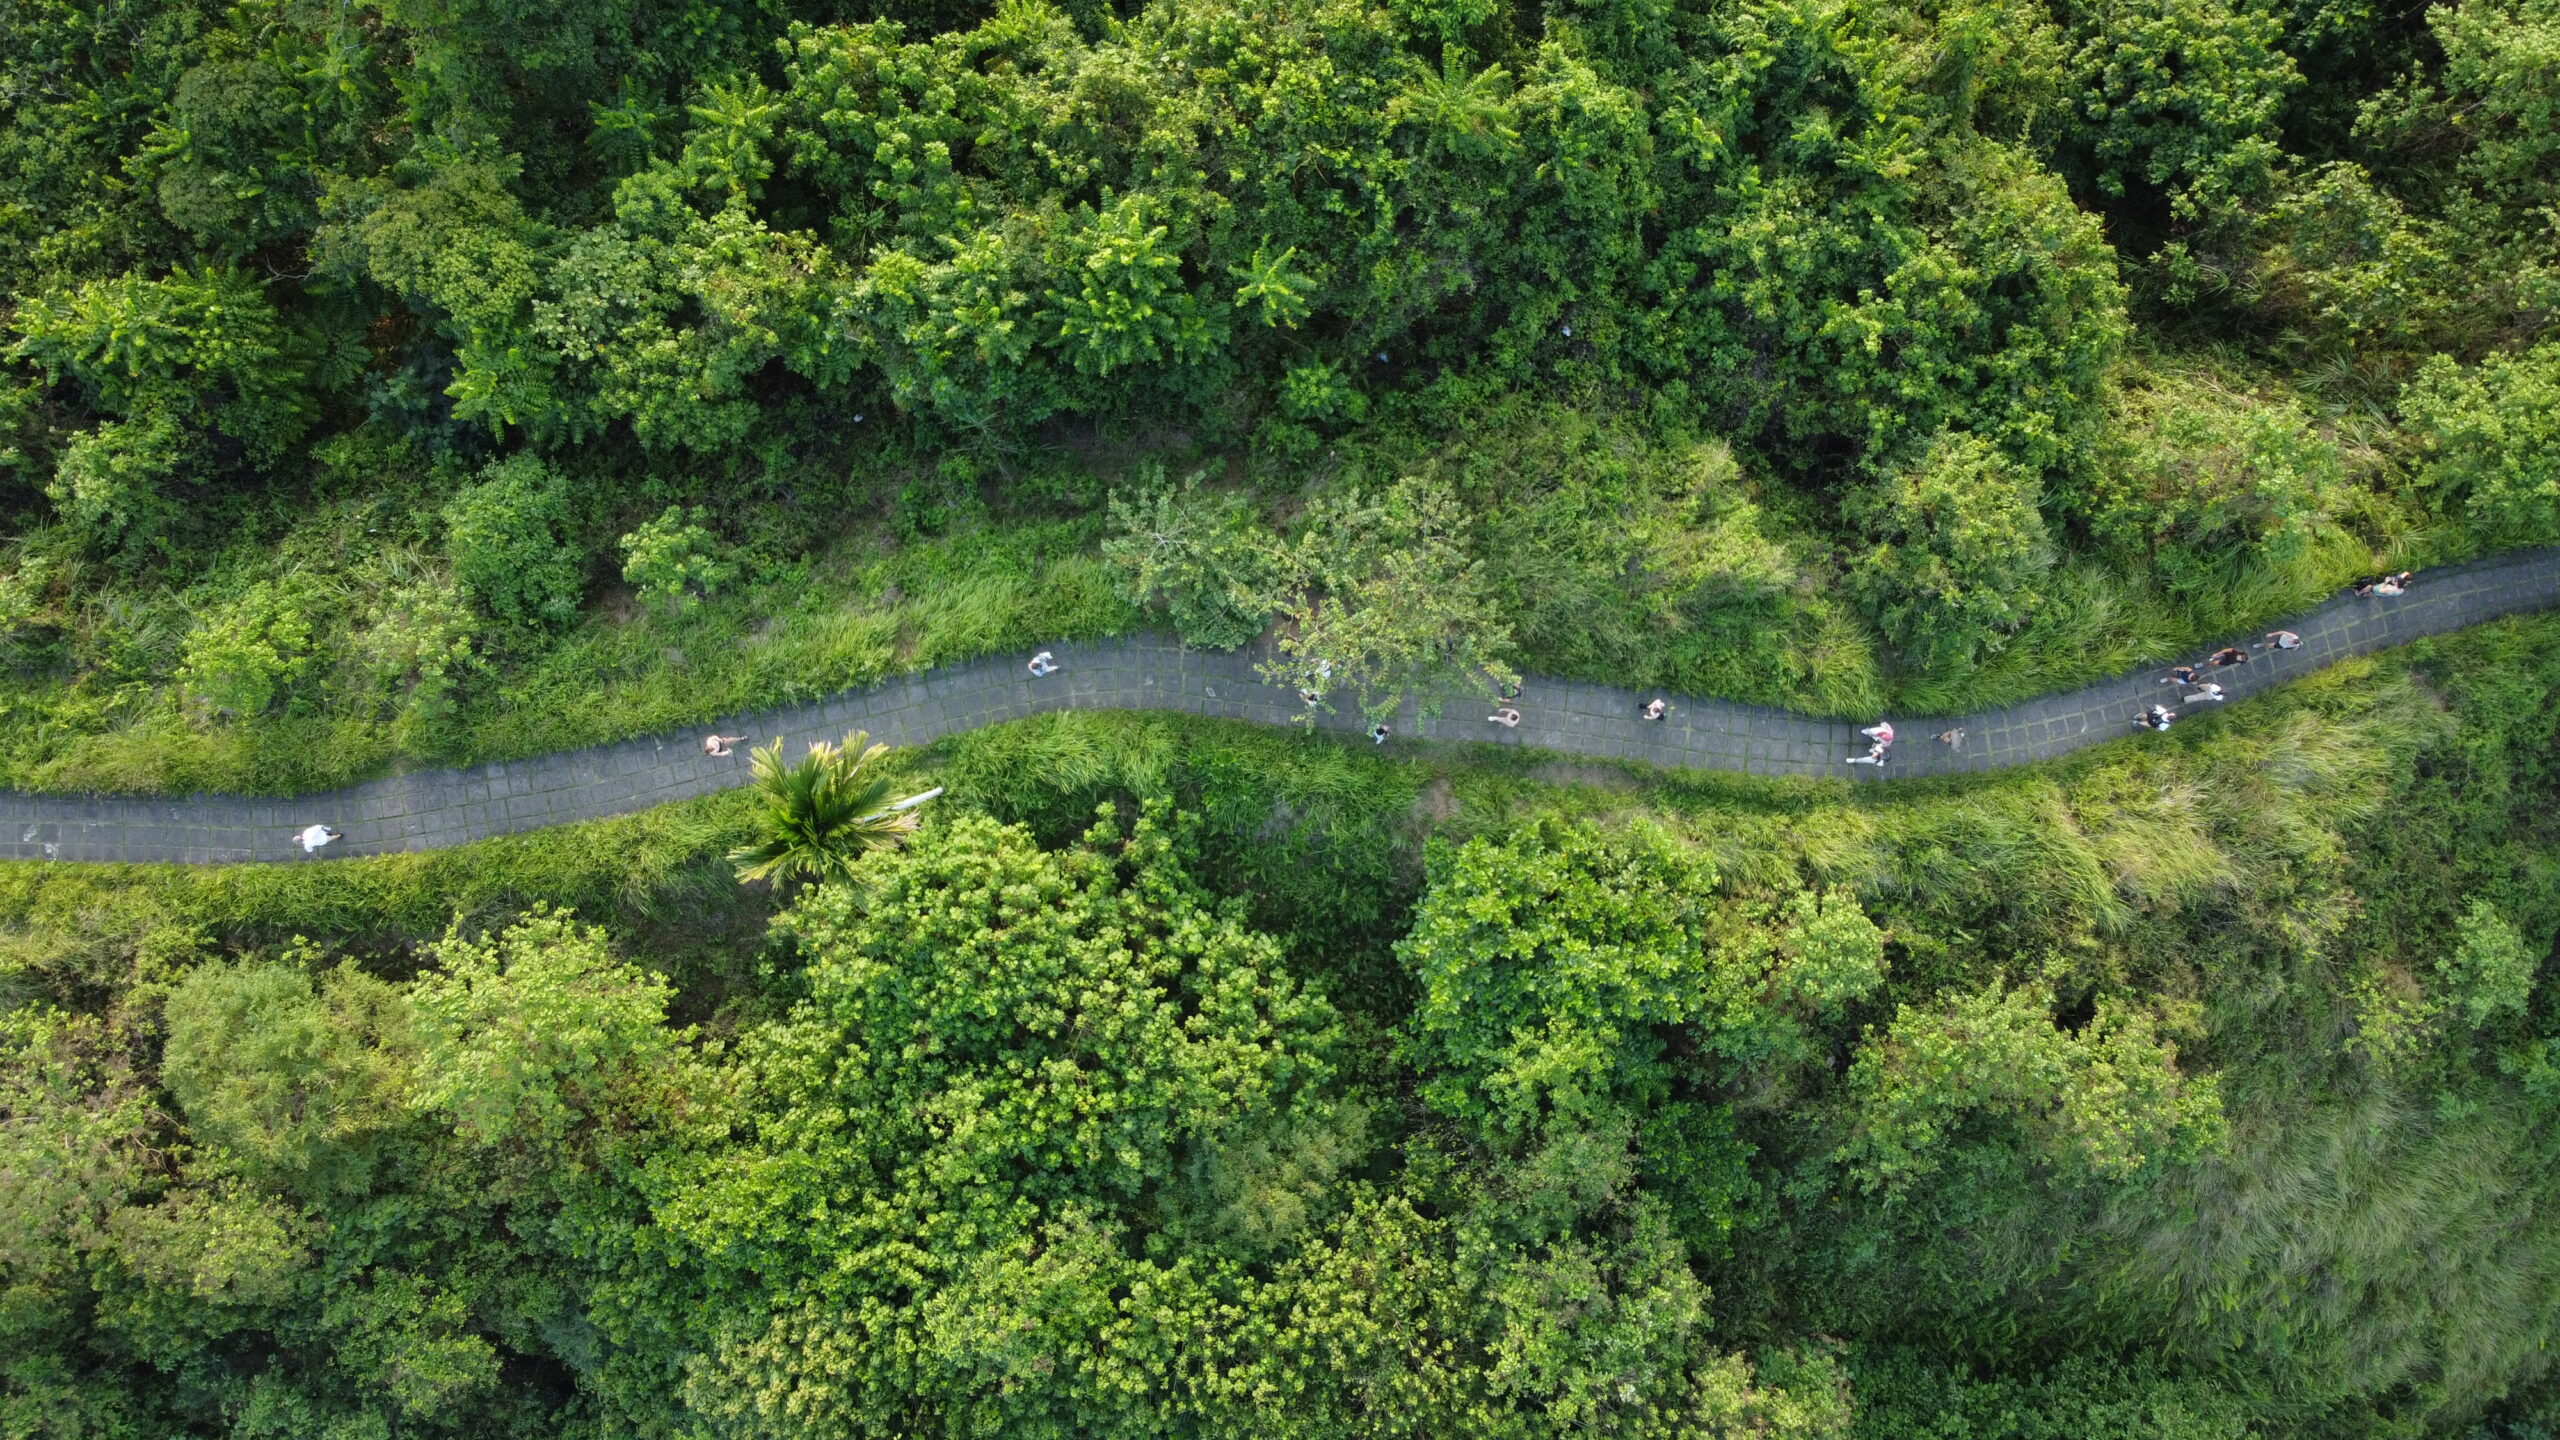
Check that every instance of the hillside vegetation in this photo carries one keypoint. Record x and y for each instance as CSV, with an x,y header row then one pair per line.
x,y
414,382
1187,1078
448,379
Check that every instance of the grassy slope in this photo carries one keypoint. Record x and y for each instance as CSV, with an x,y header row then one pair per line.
x,y
1616,557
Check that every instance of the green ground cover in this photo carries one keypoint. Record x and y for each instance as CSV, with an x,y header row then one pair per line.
x,y
2193,1086
1594,550
418,381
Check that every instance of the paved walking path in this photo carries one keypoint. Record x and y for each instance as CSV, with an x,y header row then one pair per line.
x,y
433,809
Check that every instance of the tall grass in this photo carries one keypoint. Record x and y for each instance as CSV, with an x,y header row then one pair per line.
x,y
833,624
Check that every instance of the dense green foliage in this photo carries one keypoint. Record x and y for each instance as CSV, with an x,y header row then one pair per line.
x,y
433,381
430,380
1185,1078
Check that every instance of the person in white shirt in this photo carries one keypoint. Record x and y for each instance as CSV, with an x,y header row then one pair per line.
x,y
313,837
720,745
1043,666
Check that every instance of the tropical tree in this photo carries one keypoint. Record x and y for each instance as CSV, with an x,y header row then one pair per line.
x,y
1386,600
824,812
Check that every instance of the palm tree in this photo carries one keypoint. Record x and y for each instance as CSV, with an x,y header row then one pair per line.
x,y
1458,109
825,812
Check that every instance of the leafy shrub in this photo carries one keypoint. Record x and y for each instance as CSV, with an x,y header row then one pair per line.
x,y
419,643
538,1043
2107,1103
2490,972
243,655
1956,548
1387,598
1320,391
109,483
507,538
2345,264
673,561
2179,97
1005,1058
2475,144
2199,478
1199,554
292,1083
1563,975
206,343
2491,438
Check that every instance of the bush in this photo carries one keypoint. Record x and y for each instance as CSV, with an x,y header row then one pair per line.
x,y
1199,554
673,561
2107,1104
1387,598
419,643
2490,972
1956,548
2178,97
242,656
2199,476
2491,436
108,482
506,537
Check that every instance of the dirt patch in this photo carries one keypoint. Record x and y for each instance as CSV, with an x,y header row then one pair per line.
x,y
1438,802
620,604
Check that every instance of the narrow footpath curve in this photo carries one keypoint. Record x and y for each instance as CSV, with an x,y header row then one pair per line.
x,y
433,809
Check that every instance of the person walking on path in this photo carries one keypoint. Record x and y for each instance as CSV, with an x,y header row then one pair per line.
x,y
2181,675
1043,665
720,746
2227,655
1881,734
1506,717
2282,640
1311,698
2157,717
1952,739
2206,691
1378,733
313,837
1654,709
2390,585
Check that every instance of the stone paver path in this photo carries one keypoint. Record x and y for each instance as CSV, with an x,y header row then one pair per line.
x,y
448,807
